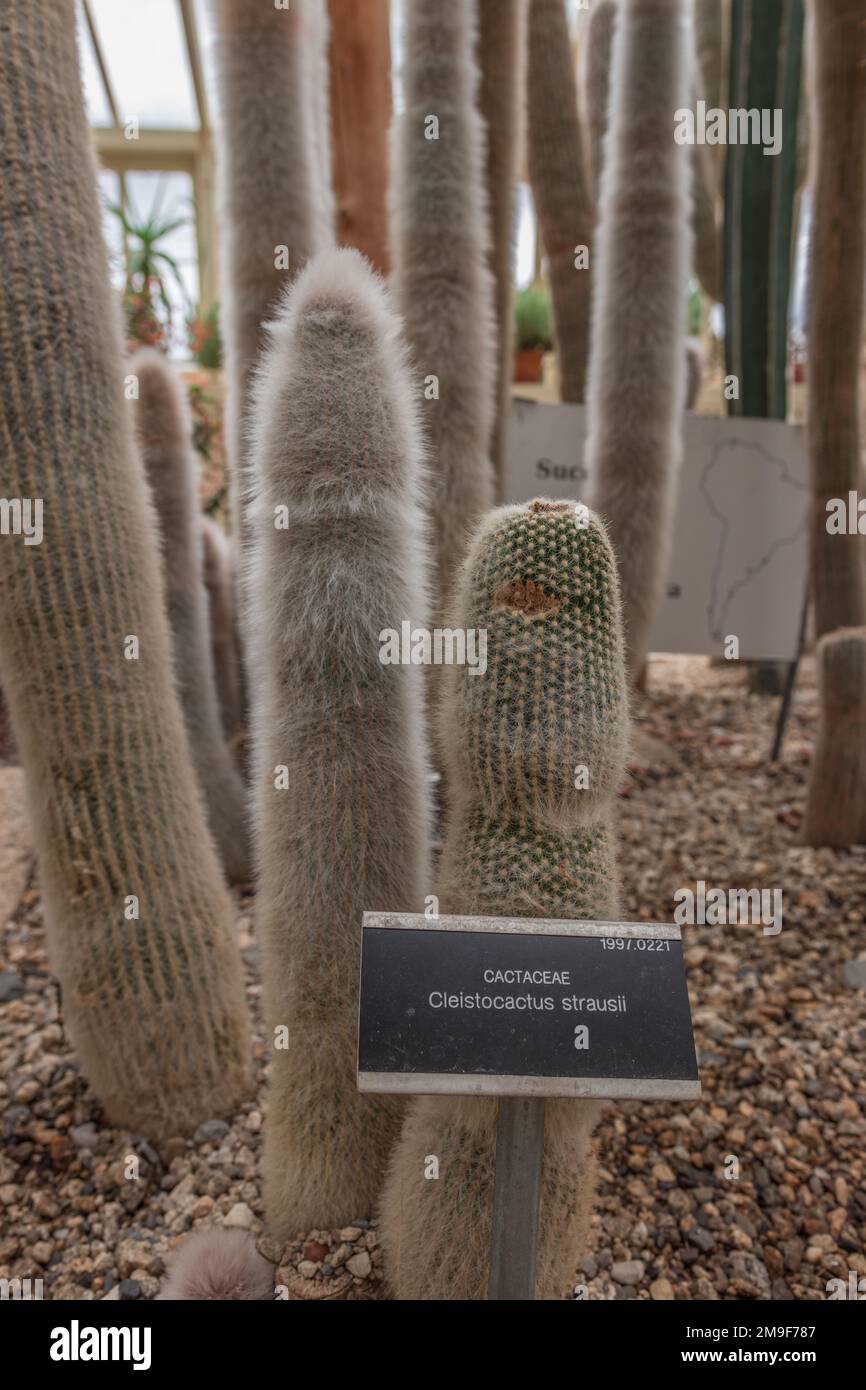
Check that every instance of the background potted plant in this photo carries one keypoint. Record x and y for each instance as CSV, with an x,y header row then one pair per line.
x,y
534,336
149,268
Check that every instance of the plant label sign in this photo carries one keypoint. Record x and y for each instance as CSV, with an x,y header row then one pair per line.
x,y
738,561
519,1007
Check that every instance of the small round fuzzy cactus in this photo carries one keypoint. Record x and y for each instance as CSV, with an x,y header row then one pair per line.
x,y
164,439
836,802
218,1266
341,778
528,835
138,918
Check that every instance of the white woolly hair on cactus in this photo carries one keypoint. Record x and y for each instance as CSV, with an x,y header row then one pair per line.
x,y
595,60
341,814
164,432
218,1265
222,617
273,175
441,278
502,61
636,390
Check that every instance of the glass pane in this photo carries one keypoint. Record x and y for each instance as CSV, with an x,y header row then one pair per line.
x,y
95,100
145,53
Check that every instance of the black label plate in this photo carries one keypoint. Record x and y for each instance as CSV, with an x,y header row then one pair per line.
x,y
491,1006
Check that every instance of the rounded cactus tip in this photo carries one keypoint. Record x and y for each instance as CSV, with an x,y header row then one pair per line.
x,y
540,583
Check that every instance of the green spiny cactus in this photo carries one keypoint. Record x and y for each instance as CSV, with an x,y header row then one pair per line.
x,y
164,439
341,777
522,840
139,920
501,56
441,280
765,64
560,186
638,366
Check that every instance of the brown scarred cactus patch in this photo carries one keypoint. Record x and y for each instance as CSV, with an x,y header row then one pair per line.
x,y
527,598
542,504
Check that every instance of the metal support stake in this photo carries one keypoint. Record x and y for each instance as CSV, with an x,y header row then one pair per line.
x,y
516,1198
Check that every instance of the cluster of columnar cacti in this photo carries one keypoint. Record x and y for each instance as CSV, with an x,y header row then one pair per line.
x,y
340,763
501,56
560,187
442,282
163,431
276,203
765,64
637,369
139,920
527,836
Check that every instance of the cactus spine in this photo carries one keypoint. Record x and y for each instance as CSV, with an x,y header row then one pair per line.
x,y
441,278
341,807
521,841
139,921
560,186
765,62
637,378
163,430
501,49
225,653
275,205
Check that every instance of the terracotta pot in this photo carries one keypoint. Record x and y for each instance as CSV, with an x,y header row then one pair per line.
x,y
529,364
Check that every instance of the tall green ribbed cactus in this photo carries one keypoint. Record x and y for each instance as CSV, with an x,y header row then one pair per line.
x,y
765,63
525,838
139,920
341,773
164,436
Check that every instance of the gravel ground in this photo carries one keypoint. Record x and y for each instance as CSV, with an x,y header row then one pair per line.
x,y
756,1191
